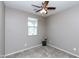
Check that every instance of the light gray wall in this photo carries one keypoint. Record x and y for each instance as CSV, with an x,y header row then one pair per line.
x,y
2,29
63,29
16,37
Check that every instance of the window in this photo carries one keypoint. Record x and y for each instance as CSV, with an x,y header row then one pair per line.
x,y
32,26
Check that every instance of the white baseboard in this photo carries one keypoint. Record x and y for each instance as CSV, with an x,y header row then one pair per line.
x,y
63,50
40,45
22,50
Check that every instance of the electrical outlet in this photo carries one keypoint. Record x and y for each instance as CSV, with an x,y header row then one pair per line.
x,y
74,49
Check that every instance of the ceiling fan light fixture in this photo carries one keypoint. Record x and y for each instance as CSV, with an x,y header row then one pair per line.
x,y
43,11
44,7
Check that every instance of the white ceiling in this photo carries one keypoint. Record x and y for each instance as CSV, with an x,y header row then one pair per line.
x,y
27,6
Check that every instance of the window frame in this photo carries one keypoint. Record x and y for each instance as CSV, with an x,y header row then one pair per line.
x,y
36,27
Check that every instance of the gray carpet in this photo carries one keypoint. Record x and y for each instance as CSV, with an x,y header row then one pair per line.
x,y
42,52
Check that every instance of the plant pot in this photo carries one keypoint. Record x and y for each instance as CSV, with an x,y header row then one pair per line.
x,y
44,43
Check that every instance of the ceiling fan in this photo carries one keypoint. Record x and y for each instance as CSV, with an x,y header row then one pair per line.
x,y
44,7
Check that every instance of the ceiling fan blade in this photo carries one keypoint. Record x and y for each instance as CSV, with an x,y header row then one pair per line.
x,y
38,10
50,8
36,6
46,3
